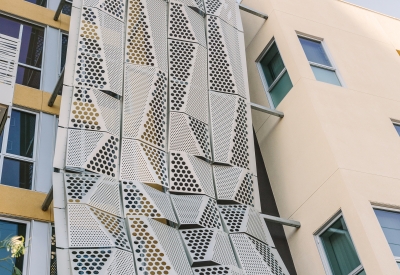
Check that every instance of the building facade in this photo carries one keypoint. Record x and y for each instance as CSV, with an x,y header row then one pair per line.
x,y
149,145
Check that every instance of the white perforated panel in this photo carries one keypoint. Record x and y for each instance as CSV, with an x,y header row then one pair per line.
x,y
231,131
270,256
93,151
209,246
245,219
218,270
234,184
189,135
95,190
100,51
115,8
196,211
106,261
227,10
185,24
146,33
249,257
92,109
145,105
167,254
90,227
189,174
140,199
188,86
144,163
226,58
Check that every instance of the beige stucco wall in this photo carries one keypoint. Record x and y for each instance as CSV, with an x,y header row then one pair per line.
x,y
336,148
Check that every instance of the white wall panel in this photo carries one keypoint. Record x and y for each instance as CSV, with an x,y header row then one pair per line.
x,y
39,248
51,62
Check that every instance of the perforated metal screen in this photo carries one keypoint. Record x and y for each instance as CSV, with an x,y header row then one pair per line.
x,y
155,144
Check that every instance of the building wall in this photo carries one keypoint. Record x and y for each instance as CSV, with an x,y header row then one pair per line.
x,y
336,148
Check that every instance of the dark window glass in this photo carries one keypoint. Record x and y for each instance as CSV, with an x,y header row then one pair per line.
x,y
9,27
67,8
64,45
272,64
390,223
28,77
17,173
42,3
53,258
314,51
1,140
10,229
21,136
32,46
339,248
397,127
280,90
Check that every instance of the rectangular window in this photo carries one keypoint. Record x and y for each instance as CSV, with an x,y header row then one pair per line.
x,y
31,51
321,66
337,249
42,3
274,75
390,223
10,228
18,149
64,46
67,8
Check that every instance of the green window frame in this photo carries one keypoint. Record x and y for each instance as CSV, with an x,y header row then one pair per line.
x,y
273,73
338,253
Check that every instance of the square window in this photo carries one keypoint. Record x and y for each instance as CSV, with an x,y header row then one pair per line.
x,y
275,77
325,75
337,247
17,173
21,136
10,229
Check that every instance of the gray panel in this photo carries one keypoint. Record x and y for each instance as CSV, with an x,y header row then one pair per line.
x,y
51,62
39,246
45,152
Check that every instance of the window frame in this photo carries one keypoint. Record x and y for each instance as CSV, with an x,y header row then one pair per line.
x,y
27,237
3,152
267,88
321,250
23,20
332,68
397,259
61,33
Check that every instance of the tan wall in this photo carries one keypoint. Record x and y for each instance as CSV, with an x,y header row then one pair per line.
x,y
336,147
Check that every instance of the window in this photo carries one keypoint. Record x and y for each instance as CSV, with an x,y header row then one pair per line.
x,y
10,228
390,223
337,249
42,3
31,51
397,127
64,46
274,75
319,62
18,149
67,8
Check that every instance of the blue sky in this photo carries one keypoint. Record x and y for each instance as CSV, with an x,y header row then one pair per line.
x,y
389,7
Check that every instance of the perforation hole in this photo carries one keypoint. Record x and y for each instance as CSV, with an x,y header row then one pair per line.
x,y
179,23
198,242
233,216
78,186
114,7
105,160
136,202
240,150
89,261
182,178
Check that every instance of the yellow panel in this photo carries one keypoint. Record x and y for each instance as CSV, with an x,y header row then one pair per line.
x,y
28,97
35,99
398,51
55,110
23,203
35,13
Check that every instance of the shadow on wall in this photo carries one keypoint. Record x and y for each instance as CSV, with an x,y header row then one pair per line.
x,y
268,206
